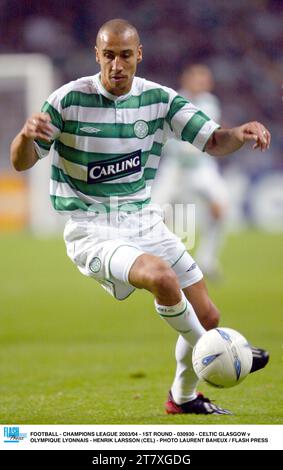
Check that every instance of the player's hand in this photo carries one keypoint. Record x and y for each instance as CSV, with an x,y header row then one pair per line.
x,y
38,126
254,131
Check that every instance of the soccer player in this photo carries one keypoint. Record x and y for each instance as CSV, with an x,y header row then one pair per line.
x,y
196,173
105,134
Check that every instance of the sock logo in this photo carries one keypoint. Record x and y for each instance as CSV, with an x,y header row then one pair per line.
x,y
165,310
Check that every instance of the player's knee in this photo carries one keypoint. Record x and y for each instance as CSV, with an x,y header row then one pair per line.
x,y
164,280
211,318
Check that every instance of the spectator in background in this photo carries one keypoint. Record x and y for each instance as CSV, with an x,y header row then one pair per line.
x,y
196,173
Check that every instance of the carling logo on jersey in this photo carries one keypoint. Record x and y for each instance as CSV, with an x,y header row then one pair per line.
x,y
114,168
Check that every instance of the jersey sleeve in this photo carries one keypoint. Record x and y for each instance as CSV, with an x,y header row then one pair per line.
x,y
189,123
53,107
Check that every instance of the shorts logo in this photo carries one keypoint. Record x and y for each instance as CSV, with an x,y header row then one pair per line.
x,y
141,129
193,266
95,265
115,168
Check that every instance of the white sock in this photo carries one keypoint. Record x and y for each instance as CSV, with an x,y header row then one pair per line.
x,y
183,319
185,382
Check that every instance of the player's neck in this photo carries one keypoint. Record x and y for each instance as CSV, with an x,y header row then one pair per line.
x,y
116,92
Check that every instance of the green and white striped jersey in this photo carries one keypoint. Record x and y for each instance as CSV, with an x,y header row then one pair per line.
x,y
107,148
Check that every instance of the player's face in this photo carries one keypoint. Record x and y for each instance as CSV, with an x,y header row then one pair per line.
x,y
118,56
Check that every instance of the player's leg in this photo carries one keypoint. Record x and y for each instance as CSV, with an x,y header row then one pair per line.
x,y
185,382
207,312
152,273
159,277
155,275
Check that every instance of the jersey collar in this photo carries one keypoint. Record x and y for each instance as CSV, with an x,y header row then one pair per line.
x,y
108,95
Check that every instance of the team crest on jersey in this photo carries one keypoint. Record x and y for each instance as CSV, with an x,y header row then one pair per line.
x,y
141,129
117,167
95,265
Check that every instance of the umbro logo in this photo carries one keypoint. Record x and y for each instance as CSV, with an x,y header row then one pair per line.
x,y
90,130
193,266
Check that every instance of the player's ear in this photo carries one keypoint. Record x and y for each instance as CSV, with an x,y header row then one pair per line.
x,y
139,56
96,55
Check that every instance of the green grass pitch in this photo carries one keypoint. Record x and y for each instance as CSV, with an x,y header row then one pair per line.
x,y
70,354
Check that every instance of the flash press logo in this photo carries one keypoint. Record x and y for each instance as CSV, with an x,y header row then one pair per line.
x,y
12,434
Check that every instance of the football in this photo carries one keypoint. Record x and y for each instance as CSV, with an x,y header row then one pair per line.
x,y
222,357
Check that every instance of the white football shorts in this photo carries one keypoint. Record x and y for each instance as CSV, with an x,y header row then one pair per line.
x,y
106,250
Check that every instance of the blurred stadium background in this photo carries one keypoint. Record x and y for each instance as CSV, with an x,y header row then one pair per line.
x,y
42,47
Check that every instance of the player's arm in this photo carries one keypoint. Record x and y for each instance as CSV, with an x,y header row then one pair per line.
x,y
22,152
225,141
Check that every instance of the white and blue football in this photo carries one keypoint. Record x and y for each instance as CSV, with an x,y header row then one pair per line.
x,y
222,357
